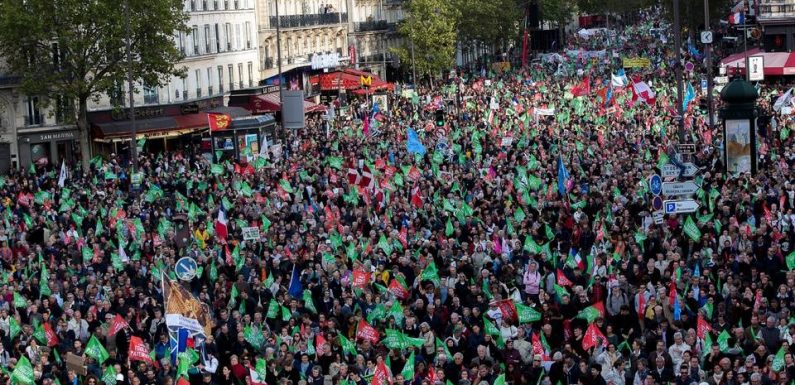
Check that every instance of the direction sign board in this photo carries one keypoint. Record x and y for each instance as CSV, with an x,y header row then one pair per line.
x,y
655,184
669,170
185,268
679,188
682,206
658,217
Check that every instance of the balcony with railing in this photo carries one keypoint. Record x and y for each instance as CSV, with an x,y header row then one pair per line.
x,y
779,10
7,81
370,26
306,21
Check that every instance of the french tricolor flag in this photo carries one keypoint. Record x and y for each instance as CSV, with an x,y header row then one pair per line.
x,y
737,18
220,225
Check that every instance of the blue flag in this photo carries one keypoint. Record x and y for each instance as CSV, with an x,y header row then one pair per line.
x,y
178,343
677,309
295,289
413,144
697,271
563,176
376,109
690,94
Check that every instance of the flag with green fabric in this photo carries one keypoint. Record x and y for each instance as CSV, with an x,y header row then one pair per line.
x,y
95,350
691,229
23,372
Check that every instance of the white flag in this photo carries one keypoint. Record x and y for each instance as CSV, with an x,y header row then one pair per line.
x,y
122,254
782,100
62,176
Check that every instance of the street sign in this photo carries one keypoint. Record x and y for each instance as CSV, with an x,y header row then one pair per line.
x,y
656,203
683,206
669,170
679,188
658,217
706,37
655,184
185,269
704,85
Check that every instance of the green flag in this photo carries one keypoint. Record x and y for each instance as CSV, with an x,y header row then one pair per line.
x,y
778,360
109,375
723,341
791,261
430,273
347,346
95,350
501,379
691,229
13,327
308,303
489,327
19,301
526,313
589,314
273,309
23,372
408,368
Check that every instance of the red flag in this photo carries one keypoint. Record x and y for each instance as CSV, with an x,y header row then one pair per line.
x,y
601,307
538,347
183,381
360,278
672,294
582,89
592,336
117,324
398,290
416,198
138,350
414,173
219,122
431,376
641,305
524,48
220,225
320,344
381,375
403,237
52,338
702,327
561,278
366,332
508,310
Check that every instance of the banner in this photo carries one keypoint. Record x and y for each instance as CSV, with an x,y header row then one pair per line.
x,y
183,310
138,350
544,111
636,62
501,66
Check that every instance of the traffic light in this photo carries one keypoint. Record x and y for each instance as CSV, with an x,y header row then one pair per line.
x,y
439,117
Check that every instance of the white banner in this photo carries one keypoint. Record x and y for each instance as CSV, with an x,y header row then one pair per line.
x,y
544,111
178,321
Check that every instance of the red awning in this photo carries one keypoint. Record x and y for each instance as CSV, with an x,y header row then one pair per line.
x,y
266,103
349,79
775,63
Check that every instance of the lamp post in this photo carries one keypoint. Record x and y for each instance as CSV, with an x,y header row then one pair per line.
x,y
279,61
708,54
128,43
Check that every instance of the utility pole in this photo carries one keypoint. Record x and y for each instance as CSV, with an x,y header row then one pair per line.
x,y
413,69
678,72
708,53
279,61
128,43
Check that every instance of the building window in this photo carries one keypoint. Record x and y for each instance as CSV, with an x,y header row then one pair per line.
x,y
221,79
207,37
33,116
64,110
185,88
226,4
116,95
228,36
236,2
192,5
210,82
198,83
215,5
248,35
151,95
250,74
204,5
240,74
181,42
217,38
195,37
237,37
231,69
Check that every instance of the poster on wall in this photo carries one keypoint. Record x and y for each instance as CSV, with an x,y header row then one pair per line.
x,y
248,147
738,146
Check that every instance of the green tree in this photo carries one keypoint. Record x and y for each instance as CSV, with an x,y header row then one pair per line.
x,y
488,21
430,27
74,50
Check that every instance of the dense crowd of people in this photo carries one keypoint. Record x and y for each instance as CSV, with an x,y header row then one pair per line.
x,y
512,245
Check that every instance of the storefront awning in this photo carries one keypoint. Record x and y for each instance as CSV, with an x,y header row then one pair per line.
x,y
267,103
775,63
161,127
348,79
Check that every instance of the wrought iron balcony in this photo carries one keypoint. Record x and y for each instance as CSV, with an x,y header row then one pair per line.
x,y
369,26
776,10
305,21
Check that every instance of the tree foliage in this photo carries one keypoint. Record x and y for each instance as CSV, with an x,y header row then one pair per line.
x,y
488,20
75,49
556,11
431,27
